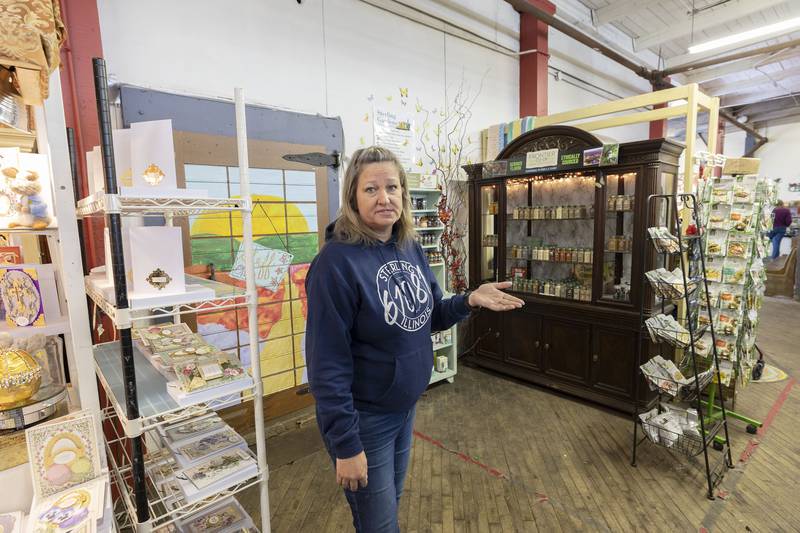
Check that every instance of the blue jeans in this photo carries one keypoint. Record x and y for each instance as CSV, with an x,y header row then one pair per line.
x,y
776,236
386,438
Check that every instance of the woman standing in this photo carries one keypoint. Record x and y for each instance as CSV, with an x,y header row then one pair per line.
x,y
372,305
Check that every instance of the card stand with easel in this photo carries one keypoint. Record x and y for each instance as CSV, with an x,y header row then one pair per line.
x,y
137,399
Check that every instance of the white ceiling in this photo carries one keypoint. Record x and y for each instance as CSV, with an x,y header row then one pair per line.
x,y
667,28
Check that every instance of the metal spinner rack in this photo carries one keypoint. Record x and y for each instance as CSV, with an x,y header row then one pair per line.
x,y
137,402
690,257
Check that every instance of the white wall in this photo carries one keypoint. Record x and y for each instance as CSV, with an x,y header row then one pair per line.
x,y
322,56
778,157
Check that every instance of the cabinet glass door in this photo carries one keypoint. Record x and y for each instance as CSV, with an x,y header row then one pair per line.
x,y
489,231
550,234
618,252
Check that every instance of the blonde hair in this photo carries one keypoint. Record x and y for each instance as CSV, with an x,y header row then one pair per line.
x,y
349,227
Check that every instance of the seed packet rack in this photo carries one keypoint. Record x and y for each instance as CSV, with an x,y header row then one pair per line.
x,y
677,418
737,209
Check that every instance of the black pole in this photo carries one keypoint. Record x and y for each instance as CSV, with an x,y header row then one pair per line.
x,y
114,225
73,163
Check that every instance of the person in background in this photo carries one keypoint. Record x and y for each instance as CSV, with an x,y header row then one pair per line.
x,y
372,305
781,219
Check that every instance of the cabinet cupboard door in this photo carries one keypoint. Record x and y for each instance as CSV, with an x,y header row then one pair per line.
x,y
487,330
566,349
522,343
613,356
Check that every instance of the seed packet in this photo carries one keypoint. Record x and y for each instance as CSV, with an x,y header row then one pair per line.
x,y
702,346
726,347
713,295
738,245
704,320
715,243
714,266
734,270
722,191
720,217
730,297
728,323
741,217
725,372
742,194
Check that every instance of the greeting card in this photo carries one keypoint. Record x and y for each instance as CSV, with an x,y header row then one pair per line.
x,y
210,444
11,522
228,515
156,261
22,297
74,510
10,255
191,429
153,155
218,467
63,453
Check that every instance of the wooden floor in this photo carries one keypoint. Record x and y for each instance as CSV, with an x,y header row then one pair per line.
x,y
494,455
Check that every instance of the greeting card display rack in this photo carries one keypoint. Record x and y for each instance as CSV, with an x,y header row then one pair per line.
x,y
687,252
137,397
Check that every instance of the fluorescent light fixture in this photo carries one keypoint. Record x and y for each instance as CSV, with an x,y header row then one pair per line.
x,y
778,27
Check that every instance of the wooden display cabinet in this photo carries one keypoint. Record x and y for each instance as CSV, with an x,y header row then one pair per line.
x,y
571,234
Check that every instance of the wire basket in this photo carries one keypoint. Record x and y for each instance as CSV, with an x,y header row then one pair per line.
x,y
679,338
685,443
686,391
673,291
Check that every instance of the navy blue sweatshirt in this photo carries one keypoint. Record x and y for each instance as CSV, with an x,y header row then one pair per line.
x,y
371,310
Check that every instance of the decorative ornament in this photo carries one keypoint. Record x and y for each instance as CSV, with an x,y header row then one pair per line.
x,y
20,376
153,175
159,279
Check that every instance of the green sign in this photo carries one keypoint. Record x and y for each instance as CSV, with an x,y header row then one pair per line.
x,y
571,159
514,166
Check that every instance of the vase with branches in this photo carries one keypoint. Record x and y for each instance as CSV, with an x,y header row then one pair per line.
x,y
445,146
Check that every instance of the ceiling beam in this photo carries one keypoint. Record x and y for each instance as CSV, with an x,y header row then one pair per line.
x,y
752,97
703,63
732,67
775,115
767,106
714,55
721,89
617,10
704,21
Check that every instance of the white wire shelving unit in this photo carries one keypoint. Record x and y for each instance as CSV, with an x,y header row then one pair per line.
x,y
136,392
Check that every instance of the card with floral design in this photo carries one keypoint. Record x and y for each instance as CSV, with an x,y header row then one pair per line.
x,y
227,516
210,444
193,428
63,453
22,297
218,467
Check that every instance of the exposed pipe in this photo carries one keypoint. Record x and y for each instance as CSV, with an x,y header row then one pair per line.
x,y
654,77
523,6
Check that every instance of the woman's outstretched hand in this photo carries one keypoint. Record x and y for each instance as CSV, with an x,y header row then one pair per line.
x,y
490,296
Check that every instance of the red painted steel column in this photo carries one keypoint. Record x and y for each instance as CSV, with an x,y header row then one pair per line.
x,y
533,65
658,128
80,108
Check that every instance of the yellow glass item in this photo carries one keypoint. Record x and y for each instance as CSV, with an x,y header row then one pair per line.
x,y
20,376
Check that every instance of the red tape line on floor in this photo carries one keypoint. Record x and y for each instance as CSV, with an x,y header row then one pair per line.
x,y
773,412
471,460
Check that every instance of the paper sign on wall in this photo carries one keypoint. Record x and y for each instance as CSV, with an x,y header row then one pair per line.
x,y
395,130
